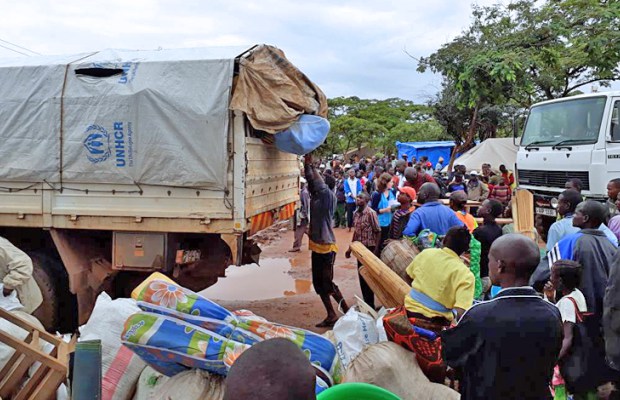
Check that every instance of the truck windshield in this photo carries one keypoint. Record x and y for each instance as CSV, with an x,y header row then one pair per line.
x,y
572,121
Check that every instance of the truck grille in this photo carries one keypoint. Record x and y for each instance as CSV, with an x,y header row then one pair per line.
x,y
552,178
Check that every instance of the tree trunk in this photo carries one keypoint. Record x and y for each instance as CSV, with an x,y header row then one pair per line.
x,y
469,139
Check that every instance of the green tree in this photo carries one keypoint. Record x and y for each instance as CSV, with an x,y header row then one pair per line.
x,y
358,122
516,54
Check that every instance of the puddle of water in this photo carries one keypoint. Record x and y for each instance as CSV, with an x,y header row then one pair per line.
x,y
251,282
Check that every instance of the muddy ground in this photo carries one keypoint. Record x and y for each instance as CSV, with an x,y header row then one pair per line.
x,y
280,289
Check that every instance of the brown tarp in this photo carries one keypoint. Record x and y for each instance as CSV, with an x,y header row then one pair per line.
x,y
273,92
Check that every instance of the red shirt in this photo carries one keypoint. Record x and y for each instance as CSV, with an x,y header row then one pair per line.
x,y
509,178
420,180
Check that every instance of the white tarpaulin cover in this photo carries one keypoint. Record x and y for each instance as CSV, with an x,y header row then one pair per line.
x,y
493,151
161,118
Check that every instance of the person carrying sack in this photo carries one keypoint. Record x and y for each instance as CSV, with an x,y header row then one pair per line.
x,y
442,290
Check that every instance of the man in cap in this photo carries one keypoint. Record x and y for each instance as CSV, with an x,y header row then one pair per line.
x,y
439,165
476,189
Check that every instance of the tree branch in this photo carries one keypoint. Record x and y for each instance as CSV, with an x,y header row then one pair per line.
x,y
410,55
570,89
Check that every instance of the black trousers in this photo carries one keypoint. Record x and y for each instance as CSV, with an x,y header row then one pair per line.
x,y
367,294
385,235
323,273
350,210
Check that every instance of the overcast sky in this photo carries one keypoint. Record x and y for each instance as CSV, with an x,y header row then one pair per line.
x,y
348,47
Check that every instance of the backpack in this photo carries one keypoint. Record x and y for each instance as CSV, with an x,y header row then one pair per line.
x,y
584,368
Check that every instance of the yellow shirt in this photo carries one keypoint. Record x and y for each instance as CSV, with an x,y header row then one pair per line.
x,y
441,275
322,248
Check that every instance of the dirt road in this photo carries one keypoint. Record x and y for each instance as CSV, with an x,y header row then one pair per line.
x,y
281,288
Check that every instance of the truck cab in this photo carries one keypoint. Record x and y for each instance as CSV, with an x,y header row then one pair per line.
x,y
573,137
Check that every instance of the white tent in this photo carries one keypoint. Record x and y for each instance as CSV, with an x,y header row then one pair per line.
x,y
493,151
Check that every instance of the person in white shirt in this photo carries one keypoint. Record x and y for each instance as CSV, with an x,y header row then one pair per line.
x,y
352,186
16,275
401,165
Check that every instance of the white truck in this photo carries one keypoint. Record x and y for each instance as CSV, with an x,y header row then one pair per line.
x,y
119,163
572,137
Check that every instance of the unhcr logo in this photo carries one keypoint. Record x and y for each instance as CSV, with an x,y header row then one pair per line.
x,y
97,143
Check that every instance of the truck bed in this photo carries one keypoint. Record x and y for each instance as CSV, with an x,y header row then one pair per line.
x,y
271,186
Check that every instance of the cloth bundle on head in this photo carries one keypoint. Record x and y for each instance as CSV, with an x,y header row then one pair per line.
x,y
304,136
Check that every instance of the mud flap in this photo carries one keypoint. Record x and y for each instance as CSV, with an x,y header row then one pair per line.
x,y
251,252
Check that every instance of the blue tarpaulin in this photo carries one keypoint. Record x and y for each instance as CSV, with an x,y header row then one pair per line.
x,y
433,150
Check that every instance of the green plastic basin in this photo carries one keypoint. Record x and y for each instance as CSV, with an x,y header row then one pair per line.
x,y
356,391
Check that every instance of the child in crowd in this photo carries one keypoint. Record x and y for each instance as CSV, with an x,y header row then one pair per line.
x,y
565,279
406,197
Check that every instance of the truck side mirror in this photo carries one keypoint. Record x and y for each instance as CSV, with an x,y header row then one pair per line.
x,y
517,122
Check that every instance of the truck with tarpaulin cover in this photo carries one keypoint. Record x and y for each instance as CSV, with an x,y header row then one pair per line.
x,y
119,163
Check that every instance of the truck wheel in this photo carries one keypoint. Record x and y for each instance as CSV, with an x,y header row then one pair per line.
x,y
47,312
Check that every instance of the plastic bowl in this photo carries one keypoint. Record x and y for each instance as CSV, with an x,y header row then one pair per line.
x,y
356,391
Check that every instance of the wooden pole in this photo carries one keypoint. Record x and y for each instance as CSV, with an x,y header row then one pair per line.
x,y
392,287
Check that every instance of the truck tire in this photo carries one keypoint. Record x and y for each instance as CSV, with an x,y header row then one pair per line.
x,y
47,312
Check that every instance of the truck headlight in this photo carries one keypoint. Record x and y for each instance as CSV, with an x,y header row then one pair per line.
x,y
554,202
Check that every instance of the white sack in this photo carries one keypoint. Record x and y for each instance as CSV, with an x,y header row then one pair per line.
x,y
6,352
149,384
353,332
393,368
379,325
192,385
10,302
121,368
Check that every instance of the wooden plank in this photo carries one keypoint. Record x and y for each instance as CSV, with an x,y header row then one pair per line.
x,y
258,204
29,351
500,221
393,284
523,211
33,382
376,288
258,150
10,383
46,390
12,318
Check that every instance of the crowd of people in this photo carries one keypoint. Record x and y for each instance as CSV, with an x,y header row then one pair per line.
x,y
505,321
